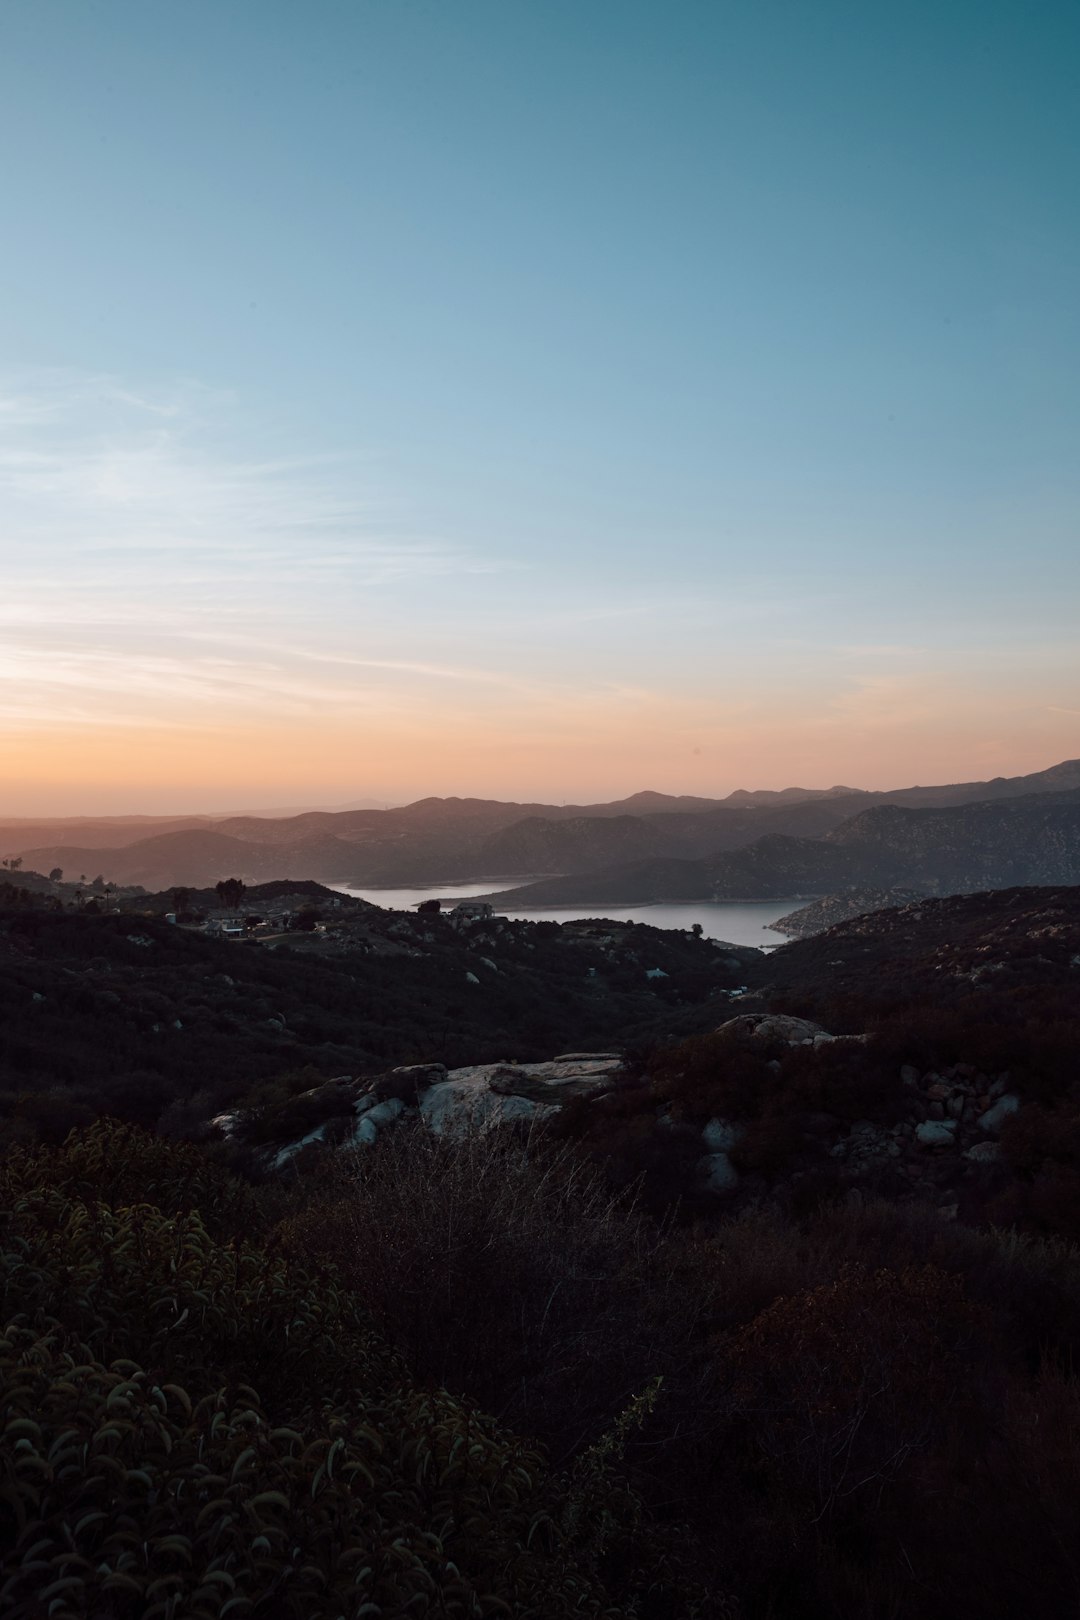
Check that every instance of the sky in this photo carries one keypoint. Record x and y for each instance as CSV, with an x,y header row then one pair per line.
x,y
538,399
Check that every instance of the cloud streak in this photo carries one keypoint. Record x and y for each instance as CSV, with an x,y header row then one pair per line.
x,y
128,525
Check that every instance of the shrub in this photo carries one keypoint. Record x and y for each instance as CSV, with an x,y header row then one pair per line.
x,y
197,1429
504,1268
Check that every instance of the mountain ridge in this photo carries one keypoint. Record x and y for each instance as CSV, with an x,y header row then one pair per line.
x,y
436,841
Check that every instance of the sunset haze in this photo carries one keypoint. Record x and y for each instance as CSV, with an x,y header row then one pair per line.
x,y
534,401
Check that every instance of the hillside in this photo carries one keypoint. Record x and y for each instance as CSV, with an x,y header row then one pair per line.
x,y
831,909
437,841
796,1255
978,846
154,1023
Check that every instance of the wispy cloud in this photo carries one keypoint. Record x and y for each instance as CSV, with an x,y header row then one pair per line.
x,y
147,560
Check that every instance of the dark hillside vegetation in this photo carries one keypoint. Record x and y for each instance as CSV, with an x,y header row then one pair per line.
x,y
212,1391
195,1424
847,1387
162,1026
956,1010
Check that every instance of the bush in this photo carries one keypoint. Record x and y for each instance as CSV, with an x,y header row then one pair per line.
x,y
195,1428
504,1269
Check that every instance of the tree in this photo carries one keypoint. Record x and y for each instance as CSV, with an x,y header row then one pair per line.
x,y
181,899
56,875
230,891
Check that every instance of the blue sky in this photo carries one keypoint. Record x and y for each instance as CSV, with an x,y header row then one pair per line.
x,y
549,398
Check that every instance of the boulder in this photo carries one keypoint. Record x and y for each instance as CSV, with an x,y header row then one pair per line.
x,y
408,1081
466,1101
385,1113
995,1117
587,1057
983,1152
579,1075
933,1133
720,1135
771,1027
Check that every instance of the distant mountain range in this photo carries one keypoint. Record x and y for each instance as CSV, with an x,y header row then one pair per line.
x,y
765,844
985,845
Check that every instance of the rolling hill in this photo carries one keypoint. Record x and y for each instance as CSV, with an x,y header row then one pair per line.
x,y
437,841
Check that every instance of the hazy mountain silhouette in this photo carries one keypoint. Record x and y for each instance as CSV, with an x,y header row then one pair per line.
x,y
439,840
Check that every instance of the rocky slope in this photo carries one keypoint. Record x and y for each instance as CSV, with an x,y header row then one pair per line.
x,y
936,948
837,908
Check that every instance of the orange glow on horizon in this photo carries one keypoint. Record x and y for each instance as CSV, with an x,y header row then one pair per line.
x,y
556,757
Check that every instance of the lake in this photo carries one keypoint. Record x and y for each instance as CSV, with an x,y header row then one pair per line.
x,y
738,922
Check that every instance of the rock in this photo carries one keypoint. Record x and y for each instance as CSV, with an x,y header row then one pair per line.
x,y
936,1110
471,978
385,1113
422,1074
984,1152
580,1075
995,1117
909,1075
588,1057
867,1144
717,1173
409,1081
466,1099
936,1133
293,1148
955,1106
771,1027
720,1135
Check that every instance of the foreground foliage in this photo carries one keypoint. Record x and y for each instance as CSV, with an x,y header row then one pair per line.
x,y
862,1412
199,1427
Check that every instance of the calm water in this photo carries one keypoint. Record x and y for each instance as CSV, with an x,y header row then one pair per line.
x,y
739,922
